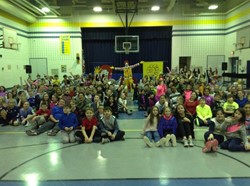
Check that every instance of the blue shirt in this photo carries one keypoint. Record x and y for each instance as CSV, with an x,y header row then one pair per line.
x,y
57,112
68,120
242,102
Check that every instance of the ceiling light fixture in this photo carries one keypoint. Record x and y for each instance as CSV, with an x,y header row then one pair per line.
x,y
213,7
45,9
97,9
155,8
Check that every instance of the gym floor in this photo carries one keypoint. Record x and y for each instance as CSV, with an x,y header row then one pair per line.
x,y
44,160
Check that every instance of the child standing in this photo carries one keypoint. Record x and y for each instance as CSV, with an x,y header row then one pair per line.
x,y
89,131
150,129
167,127
109,127
236,133
67,123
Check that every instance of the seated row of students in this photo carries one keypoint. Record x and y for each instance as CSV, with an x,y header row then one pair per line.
x,y
162,128
102,127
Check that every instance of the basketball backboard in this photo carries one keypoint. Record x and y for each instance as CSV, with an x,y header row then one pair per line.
x,y
127,44
10,39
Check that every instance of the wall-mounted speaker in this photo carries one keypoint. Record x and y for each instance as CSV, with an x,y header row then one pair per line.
x,y
28,69
224,66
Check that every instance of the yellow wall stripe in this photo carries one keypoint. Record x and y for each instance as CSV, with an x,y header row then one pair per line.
x,y
232,18
119,24
13,18
238,16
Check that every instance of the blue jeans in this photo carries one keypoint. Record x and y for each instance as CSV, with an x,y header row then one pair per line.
x,y
219,138
153,135
234,144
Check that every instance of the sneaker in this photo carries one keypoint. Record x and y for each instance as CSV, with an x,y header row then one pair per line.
x,y
130,112
161,142
173,140
27,124
31,133
247,146
207,147
215,145
105,140
185,142
16,123
190,143
52,133
147,141
168,137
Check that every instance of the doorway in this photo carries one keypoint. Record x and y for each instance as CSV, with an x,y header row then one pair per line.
x,y
233,61
248,72
215,62
185,62
39,66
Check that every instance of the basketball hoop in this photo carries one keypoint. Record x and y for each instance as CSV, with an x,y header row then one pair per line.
x,y
126,46
126,50
14,46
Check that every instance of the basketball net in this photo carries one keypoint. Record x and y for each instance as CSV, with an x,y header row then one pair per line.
x,y
126,50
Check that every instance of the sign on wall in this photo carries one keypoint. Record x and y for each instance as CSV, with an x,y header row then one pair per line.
x,y
152,68
65,44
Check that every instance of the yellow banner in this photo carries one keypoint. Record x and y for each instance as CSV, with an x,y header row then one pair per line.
x,y
65,44
152,68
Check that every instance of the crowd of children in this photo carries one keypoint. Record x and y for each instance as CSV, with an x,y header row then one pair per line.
x,y
85,109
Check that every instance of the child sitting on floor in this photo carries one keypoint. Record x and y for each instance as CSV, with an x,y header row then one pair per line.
x,y
68,123
109,127
167,127
150,129
89,131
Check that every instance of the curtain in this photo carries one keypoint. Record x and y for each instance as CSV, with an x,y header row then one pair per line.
x,y
98,46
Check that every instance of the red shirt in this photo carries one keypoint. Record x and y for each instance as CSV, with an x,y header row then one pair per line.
x,y
88,124
191,106
41,112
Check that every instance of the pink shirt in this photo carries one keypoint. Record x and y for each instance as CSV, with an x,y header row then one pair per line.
x,y
233,128
161,90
